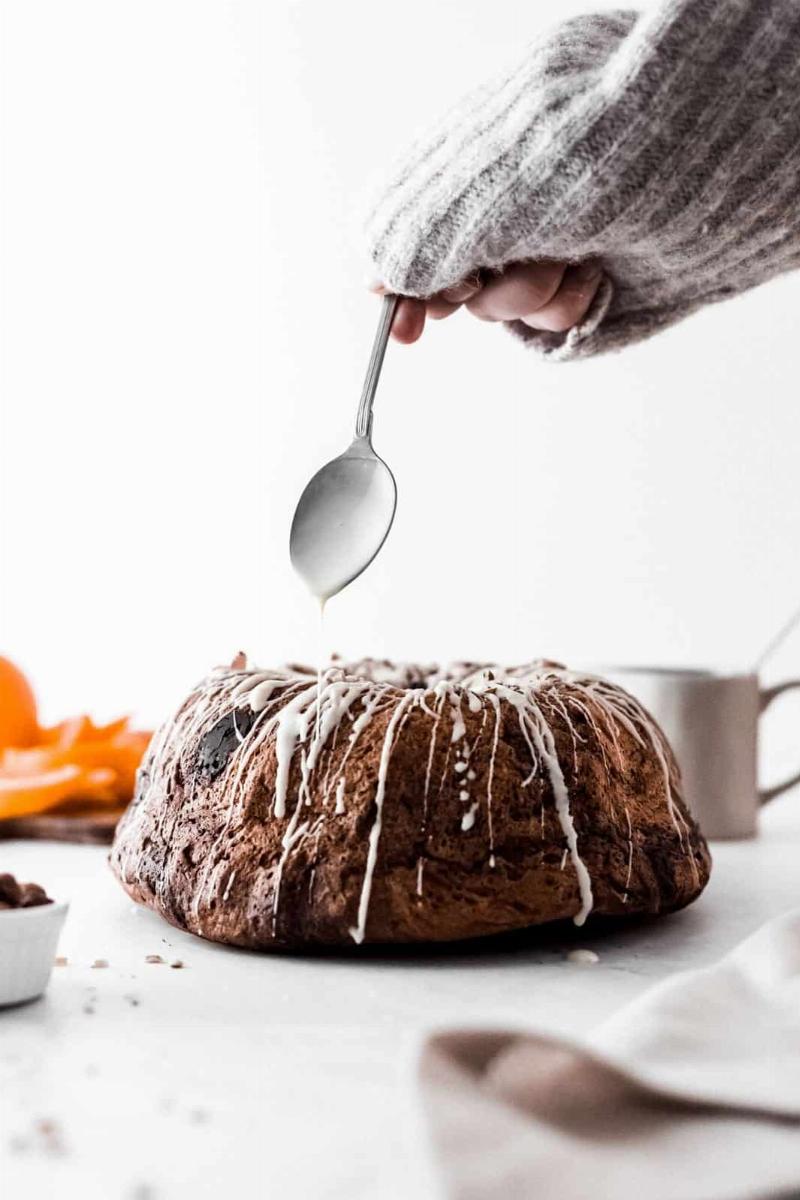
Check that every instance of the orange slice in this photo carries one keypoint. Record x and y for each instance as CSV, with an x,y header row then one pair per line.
x,y
21,795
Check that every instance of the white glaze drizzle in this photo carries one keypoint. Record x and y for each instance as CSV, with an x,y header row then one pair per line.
x,y
547,748
497,719
301,716
358,930
459,728
630,856
437,713
468,819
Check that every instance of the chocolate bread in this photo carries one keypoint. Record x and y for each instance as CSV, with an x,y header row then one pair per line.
x,y
388,803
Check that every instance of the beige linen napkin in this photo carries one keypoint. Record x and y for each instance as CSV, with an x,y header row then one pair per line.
x,y
690,1093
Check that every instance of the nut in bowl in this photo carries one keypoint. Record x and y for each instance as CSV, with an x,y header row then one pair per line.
x,y
30,925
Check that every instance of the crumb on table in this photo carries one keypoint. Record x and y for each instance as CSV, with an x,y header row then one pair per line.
x,y
584,958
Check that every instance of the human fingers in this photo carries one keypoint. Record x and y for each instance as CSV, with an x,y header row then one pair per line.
x,y
464,290
571,301
437,308
446,302
409,320
520,290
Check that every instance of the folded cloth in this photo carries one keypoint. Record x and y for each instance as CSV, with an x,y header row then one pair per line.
x,y
664,144
690,1093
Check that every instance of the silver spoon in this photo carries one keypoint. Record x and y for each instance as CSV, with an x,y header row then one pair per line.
x,y
346,510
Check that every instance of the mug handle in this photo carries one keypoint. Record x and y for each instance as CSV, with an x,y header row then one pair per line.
x,y
767,696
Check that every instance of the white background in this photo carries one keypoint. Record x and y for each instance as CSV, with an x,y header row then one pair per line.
x,y
184,334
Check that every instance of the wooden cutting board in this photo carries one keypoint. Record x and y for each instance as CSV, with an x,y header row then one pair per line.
x,y
91,828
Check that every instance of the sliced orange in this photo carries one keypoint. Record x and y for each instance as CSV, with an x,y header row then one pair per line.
x,y
73,763
81,729
121,754
103,733
66,733
22,795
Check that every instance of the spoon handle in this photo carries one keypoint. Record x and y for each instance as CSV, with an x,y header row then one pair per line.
x,y
364,416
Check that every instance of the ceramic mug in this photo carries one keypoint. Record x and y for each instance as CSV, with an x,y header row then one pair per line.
x,y
711,721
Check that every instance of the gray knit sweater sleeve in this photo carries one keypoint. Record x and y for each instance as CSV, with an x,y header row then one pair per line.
x,y
665,144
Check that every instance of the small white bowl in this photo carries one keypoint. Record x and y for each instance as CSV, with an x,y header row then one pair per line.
x,y
28,941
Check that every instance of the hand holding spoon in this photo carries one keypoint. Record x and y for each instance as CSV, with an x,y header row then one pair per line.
x,y
346,510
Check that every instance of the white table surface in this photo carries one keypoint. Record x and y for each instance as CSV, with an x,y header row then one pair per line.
x,y
293,1077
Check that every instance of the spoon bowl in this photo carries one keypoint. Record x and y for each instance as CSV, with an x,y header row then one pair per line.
x,y
342,519
347,508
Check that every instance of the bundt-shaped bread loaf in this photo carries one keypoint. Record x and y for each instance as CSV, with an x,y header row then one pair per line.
x,y
388,803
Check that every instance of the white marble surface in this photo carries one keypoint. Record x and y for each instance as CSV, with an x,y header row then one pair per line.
x,y
293,1077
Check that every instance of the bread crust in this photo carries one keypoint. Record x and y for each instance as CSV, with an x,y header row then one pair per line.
x,y
400,804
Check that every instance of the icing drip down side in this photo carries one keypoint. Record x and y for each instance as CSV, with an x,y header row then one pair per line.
x,y
239,713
